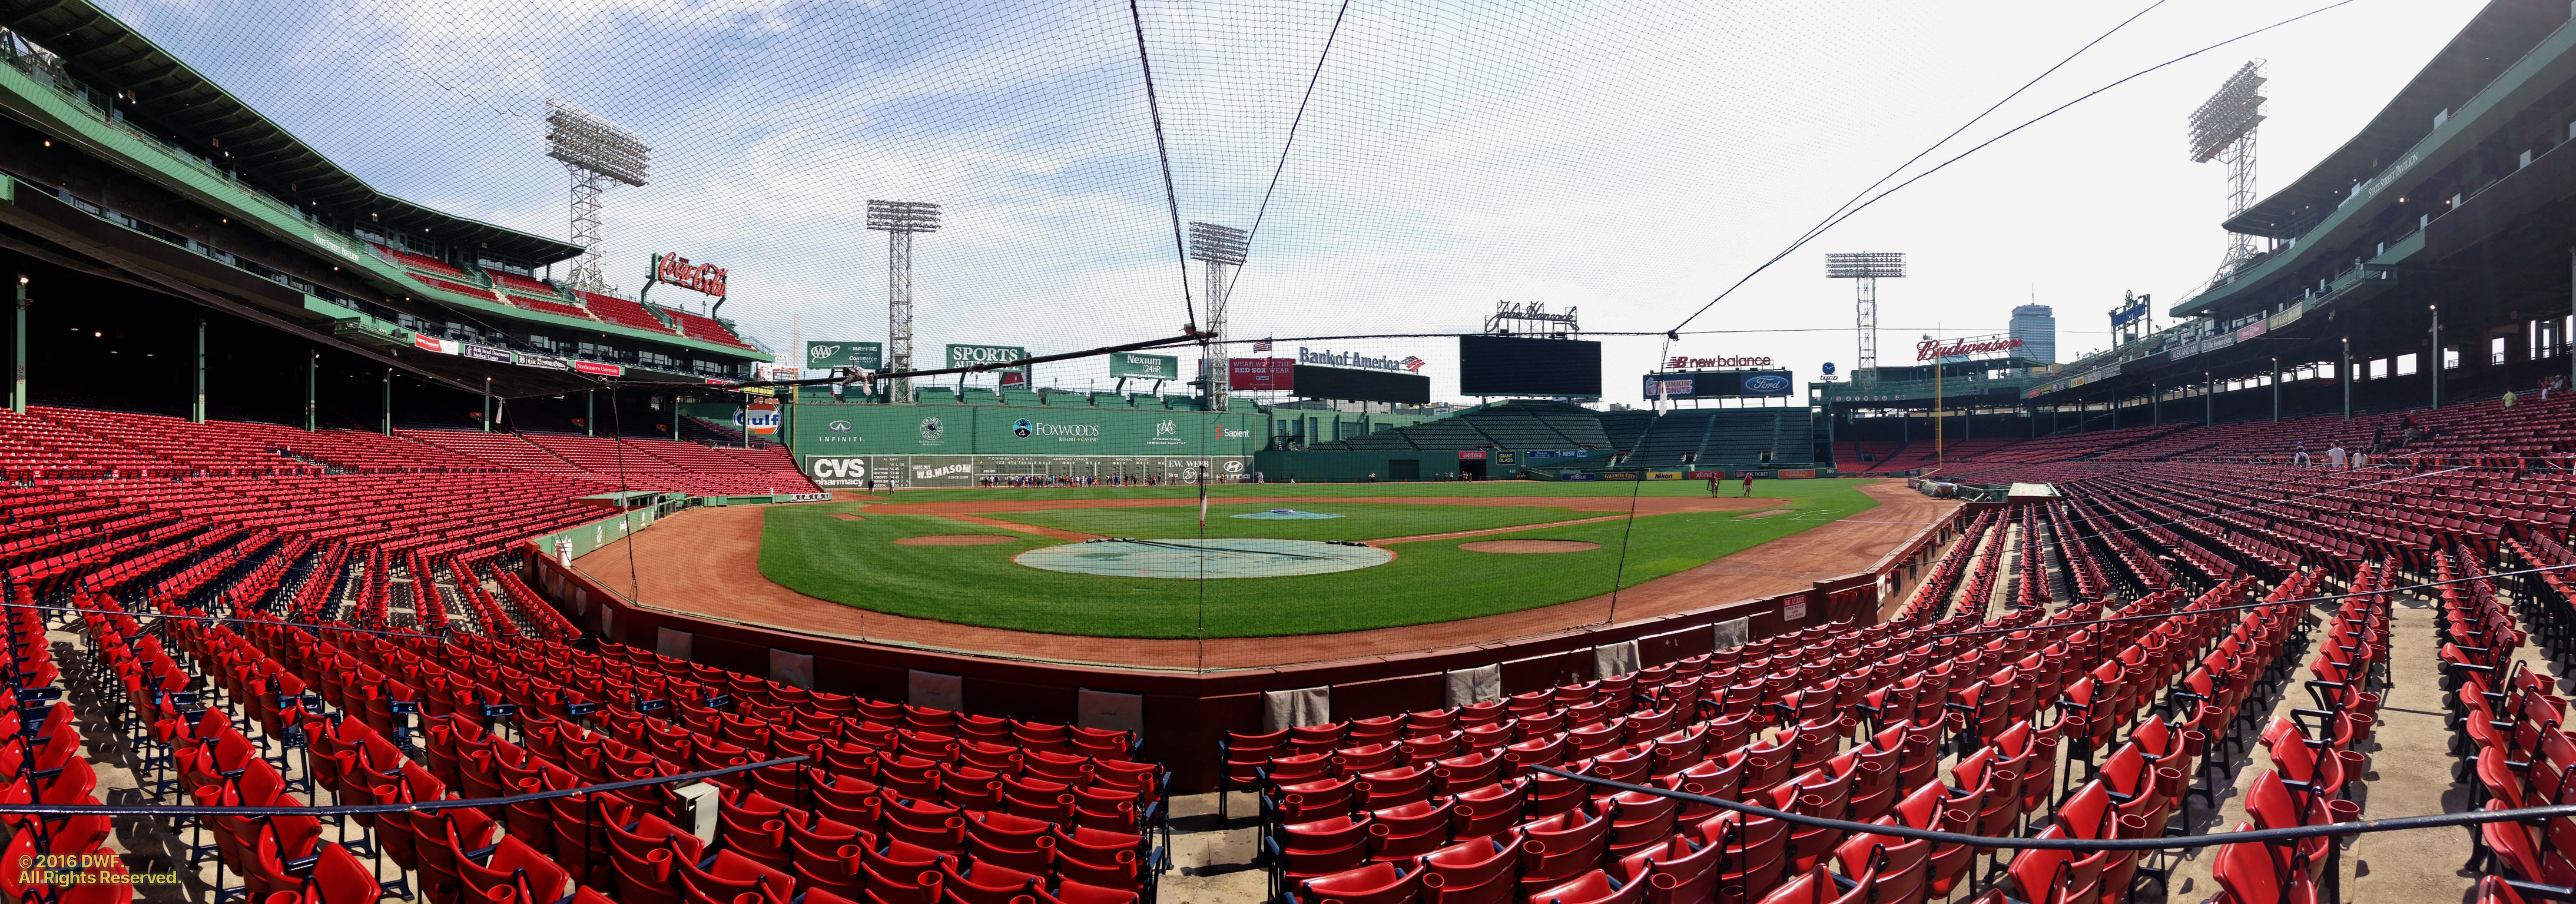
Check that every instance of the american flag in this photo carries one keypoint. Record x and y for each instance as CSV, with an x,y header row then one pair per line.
x,y
1261,346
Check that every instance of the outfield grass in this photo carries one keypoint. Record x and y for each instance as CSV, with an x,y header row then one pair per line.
x,y
856,563
1359,521
1776,489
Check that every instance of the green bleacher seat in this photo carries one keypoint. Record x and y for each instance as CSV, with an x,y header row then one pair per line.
x,y
1108,400
977,395
934,395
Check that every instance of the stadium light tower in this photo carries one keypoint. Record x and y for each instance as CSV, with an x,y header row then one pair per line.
x,y
1865,269
899,220
1223,248
2223,128
596,151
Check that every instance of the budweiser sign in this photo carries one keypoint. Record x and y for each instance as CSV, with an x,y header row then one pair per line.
x,y
1678,362
1929,349
676,270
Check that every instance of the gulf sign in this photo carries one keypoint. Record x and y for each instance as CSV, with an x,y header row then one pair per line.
x,y
759,417
677,271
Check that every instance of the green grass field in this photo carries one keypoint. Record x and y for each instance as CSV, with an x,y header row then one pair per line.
x,y
857,563
1359,521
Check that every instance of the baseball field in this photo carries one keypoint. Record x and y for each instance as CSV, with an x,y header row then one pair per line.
x,y
1443,552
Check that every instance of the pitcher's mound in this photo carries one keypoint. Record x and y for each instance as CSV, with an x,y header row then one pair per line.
x,y
1529,546
954,540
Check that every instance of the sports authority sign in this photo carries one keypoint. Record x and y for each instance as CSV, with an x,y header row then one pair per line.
x,y
989,357
676,270
1683,362
828,355
1929,349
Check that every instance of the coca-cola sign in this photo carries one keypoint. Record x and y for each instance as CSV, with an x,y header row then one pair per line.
x,y
1930,349
677,271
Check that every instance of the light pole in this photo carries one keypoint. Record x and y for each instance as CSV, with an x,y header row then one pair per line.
x,y
1865,269
1224,249
899,220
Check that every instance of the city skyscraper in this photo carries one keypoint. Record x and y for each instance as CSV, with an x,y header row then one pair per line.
x,y
2036,326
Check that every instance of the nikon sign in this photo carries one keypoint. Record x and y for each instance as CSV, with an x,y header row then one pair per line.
x,y
1144,367
987,356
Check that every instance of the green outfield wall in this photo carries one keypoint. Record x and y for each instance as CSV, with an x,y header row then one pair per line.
x,y
844,446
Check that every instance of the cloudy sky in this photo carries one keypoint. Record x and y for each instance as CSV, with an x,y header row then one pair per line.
x,y
1628,159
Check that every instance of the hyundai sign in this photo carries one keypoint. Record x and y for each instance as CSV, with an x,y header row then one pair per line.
x,y
1719,384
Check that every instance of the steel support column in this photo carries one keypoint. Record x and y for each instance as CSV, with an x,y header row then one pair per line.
x,y
197,408
2436,363
312,379
18,352
387,406
2344,376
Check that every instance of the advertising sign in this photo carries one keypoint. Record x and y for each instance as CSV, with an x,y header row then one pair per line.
x,y
828,355
595,368
1685,362
1261,373
1471,455
1929,349
1143,366
1719,384
761,418
677,271
2129,313
988,356
1330,358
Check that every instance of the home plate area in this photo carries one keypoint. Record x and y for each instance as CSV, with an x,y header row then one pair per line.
x,y
1229,557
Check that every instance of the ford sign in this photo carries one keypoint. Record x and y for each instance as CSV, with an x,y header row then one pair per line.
x,y
1766,384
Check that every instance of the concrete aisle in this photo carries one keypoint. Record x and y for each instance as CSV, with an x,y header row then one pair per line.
x,y
2411,775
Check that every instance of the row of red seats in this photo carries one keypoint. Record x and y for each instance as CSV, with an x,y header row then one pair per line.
x,y
1614,847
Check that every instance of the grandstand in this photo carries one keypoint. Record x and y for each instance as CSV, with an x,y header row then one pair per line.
x,y
1721,437
331,563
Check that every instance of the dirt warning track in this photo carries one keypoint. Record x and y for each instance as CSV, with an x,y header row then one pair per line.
x,y
707,562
